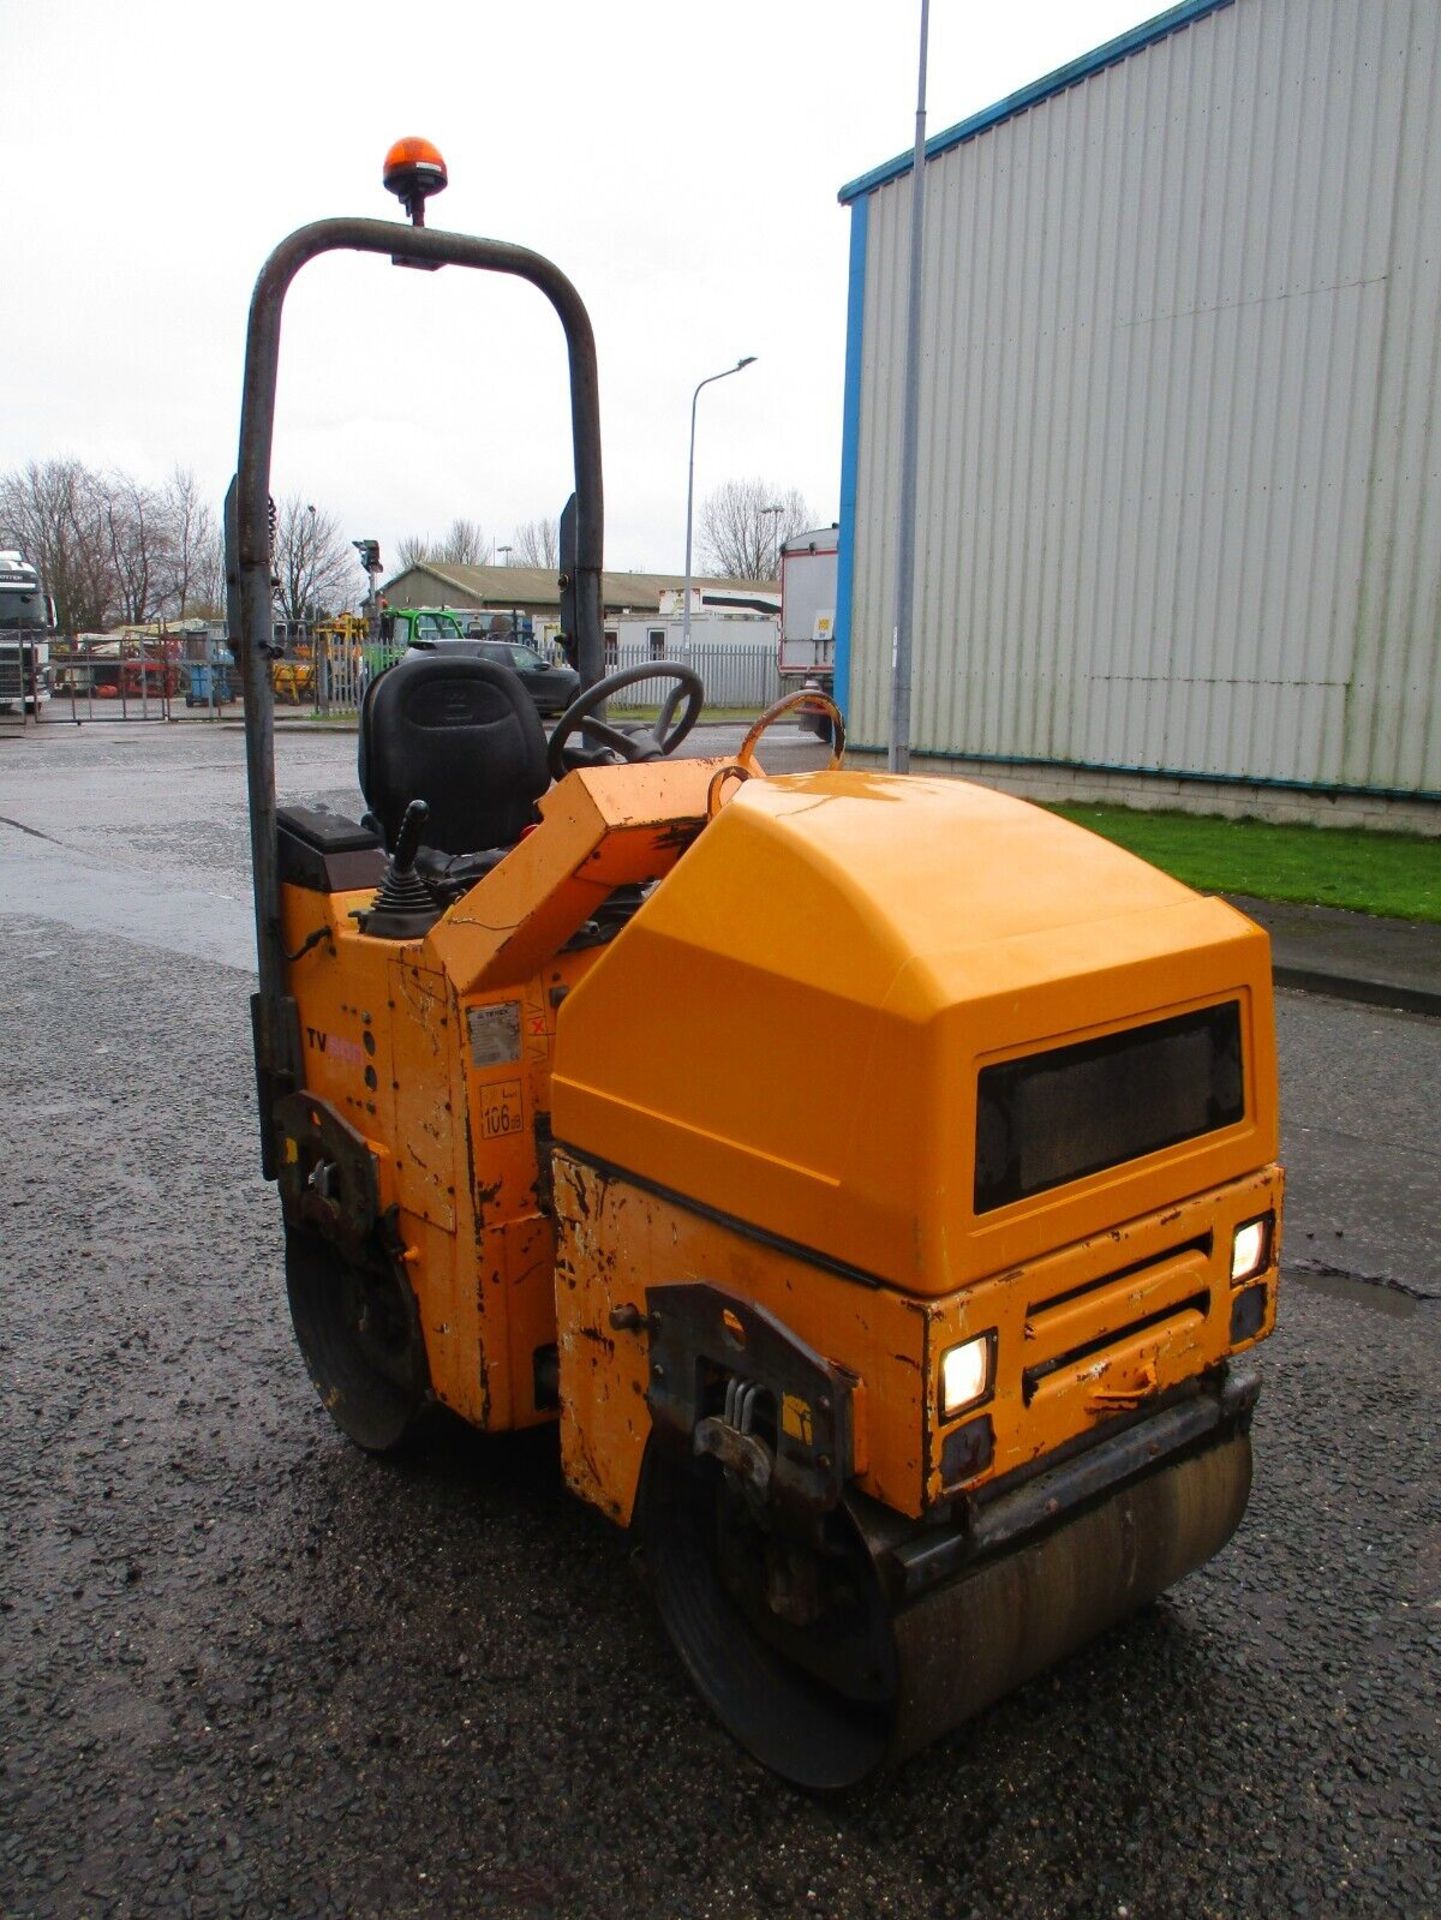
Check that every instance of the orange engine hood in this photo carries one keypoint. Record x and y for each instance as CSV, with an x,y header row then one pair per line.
x,y
790,1029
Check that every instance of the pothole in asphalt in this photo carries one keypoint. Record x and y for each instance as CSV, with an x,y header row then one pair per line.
x,y
1380,1296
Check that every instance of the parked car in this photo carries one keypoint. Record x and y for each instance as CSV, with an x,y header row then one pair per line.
x,y
552,688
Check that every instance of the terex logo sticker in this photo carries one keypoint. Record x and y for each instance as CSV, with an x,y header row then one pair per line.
x,y
494,1034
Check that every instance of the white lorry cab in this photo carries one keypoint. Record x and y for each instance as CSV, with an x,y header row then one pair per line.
x,y
806,654
27,622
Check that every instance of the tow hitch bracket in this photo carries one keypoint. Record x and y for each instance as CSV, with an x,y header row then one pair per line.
x,y
730,1439
784,1423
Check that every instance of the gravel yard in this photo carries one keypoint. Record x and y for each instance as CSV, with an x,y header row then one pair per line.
x,y
250,1671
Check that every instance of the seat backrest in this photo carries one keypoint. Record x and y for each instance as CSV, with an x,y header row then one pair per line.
x,y
461,734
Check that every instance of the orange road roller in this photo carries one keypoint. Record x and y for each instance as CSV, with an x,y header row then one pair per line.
x,y
874,1176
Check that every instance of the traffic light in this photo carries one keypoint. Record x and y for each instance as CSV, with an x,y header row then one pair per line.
x,y
369,551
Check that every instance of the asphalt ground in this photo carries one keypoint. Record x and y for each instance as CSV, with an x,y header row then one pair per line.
x,y
249,1671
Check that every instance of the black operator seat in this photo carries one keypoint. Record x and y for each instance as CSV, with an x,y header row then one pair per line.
x,y
461,734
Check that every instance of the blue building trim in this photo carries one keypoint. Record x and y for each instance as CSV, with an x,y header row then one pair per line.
x,y
850,451
1173,20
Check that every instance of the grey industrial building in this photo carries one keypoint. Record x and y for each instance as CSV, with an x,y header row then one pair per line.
x,y
536,590
1179,482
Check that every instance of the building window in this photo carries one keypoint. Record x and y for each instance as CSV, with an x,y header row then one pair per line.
x,y
657,643
612,646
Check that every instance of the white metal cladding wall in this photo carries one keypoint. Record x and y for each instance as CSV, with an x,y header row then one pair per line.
x,y
1180,467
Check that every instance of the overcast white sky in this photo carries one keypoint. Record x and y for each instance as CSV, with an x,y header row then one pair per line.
x,y
678,161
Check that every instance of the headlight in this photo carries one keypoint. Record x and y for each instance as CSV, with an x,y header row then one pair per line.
x,y
1251,1248
966,1374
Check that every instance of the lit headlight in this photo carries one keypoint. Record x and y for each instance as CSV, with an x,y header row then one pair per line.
x,y
965,1374
1251,1248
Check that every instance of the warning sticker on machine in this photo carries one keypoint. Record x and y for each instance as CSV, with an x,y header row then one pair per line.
x,y
494,1034
796,1419
500,1110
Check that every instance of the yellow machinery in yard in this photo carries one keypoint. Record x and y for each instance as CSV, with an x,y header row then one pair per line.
x,y
874,1177
293,680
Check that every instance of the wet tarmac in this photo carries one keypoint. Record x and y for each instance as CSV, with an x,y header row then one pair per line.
x,y
249,1671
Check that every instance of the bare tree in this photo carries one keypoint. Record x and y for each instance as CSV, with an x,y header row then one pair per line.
x,y
135,526
55,512
536,543
195,567
110,548
312,561
744,524
87,562
464,545
208,585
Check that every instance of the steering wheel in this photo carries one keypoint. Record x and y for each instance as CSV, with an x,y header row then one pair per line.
x,y
745,766
619,744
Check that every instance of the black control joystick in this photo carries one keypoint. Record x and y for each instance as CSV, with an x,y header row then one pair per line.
x,y
404,907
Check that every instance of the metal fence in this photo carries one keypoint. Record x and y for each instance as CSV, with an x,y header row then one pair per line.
x,y
115,679
155,680
330,678
327,677
733,675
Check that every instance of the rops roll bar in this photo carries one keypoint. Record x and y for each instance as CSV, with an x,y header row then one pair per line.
x,y
248,557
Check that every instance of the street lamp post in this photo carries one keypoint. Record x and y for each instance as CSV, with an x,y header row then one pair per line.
x,y
775,513
725,373
898,756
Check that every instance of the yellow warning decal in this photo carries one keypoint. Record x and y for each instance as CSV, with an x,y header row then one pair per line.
x,y
796,1418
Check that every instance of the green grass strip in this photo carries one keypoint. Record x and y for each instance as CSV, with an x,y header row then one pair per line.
x,y
1394,874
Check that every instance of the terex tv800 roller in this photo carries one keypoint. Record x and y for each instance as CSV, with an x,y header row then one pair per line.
x,y
875,1177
